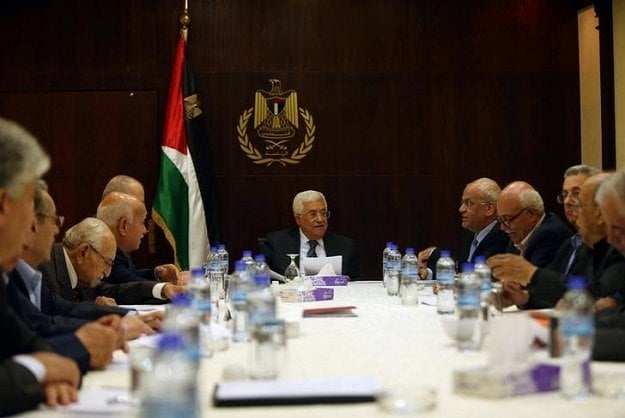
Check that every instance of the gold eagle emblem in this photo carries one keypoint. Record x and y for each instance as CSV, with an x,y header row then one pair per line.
x,y
275,112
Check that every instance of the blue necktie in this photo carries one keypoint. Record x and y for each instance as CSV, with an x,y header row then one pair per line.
x,y
474,245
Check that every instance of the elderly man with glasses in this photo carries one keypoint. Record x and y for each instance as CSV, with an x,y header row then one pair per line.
x,y
311,238
478,213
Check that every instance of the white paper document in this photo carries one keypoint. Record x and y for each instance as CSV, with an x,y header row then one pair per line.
x,y
99,401
312,265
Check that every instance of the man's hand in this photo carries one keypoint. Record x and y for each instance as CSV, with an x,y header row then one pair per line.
x,y
184,277
167,273
171,290
105,301
604,303
100,341
513,294
154,319
511,268
424,255
58,368
135,326
60,393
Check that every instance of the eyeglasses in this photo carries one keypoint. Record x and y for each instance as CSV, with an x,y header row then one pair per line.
x,y
574,194
507,220
468,203
58,220
108,261
312,215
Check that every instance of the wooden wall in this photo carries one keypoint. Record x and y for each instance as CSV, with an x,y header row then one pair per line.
x,y
411,99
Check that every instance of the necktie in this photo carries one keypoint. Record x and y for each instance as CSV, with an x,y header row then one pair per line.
x,y
311,252
474,245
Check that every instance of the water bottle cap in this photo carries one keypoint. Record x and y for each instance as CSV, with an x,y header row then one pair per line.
x,y
170,341
197,271
388,244
221,246
262,279
240,265
409,250
480,259
181,299
467,267
445,253
259,257
213,248
577,282
247,253
393,247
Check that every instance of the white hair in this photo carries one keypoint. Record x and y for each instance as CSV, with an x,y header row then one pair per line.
x,y
581,169
89,230
305,197
530,198
22,159
116,205
615,186
488,188
123,184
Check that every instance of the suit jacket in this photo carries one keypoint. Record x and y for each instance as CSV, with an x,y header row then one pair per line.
x,y
280,243
495,242
123,271
545,241
19,389
56,277
603,266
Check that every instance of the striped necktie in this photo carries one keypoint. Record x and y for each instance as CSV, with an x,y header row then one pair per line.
x,y
311,252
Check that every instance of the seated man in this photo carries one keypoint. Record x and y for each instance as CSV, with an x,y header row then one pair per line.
x,y
46,312
29,372
125,184
78,265
125,215
478,212
311,238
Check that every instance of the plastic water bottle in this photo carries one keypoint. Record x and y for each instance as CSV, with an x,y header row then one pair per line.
x,y
261,267
409,278
577,332
201,304
468,308
261,301
171,388
214,274
445,274
385,254
224,259
241,285
182,319
483,275
394,271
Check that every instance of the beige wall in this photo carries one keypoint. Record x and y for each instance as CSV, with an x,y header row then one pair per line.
x,y
618,13
590,87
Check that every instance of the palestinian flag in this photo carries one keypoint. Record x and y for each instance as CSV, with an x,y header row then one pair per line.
x,y
184,206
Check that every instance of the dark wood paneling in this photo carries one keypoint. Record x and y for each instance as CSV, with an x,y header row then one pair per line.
x,y
411,100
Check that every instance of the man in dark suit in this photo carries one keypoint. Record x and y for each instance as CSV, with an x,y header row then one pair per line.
x,y
534,234
478,213
78,265
29,372
311,238
125,216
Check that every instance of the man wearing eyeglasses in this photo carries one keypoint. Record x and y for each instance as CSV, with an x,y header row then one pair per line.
x,y
311,238
478,213
514,268
78,265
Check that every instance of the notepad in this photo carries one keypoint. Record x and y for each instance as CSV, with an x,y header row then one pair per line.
x,y
347,389
331,311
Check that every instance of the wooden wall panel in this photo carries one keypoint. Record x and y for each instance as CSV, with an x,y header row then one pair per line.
x,y
410,99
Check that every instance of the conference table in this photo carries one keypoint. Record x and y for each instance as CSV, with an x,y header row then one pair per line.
x,y
403,347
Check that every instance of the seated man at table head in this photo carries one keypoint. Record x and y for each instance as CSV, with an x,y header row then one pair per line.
x,y
511,267
310,238
78,265
29,372
125,215
125,184
478,214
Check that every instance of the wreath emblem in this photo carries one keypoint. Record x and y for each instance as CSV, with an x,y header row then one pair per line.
x,y
276,120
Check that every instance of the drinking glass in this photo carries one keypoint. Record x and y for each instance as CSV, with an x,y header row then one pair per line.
x,y
291,272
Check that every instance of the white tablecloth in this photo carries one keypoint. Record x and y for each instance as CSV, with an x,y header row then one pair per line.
x,y
403,347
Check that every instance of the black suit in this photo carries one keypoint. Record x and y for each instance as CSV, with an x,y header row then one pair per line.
x,y
544,241
56,277
19,389
495,242
280,243
123,271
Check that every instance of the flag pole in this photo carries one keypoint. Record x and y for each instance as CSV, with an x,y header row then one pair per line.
x,y
184,20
